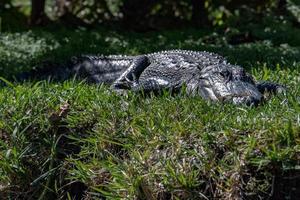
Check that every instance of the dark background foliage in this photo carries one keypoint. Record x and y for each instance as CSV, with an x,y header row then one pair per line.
x,y
144,15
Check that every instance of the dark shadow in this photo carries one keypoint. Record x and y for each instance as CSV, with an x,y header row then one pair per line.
x,y
287,185
59,45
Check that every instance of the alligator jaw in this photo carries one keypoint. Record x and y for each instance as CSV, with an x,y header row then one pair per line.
x,y
247,100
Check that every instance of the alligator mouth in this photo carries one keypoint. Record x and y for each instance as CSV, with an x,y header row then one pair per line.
x,y
242,99
247,100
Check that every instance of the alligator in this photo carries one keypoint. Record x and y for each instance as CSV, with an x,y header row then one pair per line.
x,y
202,73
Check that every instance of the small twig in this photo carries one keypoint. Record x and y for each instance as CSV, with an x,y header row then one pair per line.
x,y
291,178
273,185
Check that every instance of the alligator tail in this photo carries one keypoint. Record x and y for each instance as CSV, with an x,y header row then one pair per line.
x,y
94,69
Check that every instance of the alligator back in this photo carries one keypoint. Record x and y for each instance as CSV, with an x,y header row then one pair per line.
x,y
174,68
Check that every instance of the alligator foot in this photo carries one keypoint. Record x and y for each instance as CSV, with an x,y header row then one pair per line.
x,y
129,79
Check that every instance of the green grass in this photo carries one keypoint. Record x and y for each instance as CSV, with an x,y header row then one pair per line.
x,y
60,139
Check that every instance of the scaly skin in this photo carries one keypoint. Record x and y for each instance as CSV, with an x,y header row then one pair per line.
x,y
201,73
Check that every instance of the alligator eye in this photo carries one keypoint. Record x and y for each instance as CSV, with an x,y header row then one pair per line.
x,y
225,74
242,73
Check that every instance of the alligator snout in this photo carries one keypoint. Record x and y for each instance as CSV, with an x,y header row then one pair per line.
x,y
238,92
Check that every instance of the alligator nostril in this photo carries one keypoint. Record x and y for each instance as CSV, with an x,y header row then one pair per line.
x,y
251,101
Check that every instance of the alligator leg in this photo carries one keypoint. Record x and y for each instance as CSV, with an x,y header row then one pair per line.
x,y
129,79
269,87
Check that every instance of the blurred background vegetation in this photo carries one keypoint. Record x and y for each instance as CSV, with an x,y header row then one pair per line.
x,y
145,15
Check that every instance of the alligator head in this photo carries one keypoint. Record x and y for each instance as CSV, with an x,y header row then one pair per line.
x,y
228,83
